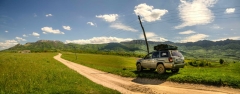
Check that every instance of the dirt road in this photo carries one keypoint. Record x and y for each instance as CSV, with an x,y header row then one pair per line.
x,y
139,85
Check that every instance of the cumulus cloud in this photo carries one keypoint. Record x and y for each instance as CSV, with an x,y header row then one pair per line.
x,y
151,36
49,15
35,34
108,17
50,30
148,13
187,32
20,39
99,40
91,23
7,44
6,31
233,38
24,35
229,10
67,27
157,39
194,38
196,12
123,27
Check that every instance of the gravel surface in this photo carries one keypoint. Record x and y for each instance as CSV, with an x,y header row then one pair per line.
x,y
143,85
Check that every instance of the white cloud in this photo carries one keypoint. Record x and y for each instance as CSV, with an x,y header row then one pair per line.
x,y
20,39
7,44
231,29
67,27
50,30
91,23
24,35
35,34
6,31
194,38
49,15
108,17
196,12
233,38
123,27
151,36
157,39
148,13
99,40
187,32
230,10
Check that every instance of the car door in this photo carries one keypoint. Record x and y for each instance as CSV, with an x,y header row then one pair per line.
x,y
147,59
153,60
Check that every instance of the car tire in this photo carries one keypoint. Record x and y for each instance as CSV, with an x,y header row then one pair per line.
x,y
175,70
152,69
161,69
139,67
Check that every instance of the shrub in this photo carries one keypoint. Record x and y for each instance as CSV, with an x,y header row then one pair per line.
x,y
199,63
221,61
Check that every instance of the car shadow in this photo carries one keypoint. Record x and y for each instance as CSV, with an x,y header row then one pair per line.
x,y
151,77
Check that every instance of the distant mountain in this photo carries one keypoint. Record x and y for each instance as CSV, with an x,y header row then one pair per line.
x,y
39,46
204,48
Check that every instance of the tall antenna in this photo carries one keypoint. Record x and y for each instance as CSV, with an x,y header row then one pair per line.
x,y
144,33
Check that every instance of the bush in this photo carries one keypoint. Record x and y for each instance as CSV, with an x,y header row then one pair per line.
x,y
221,61
199,63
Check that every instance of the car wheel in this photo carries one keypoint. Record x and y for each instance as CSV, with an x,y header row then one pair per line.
x,y
175,70
161,69
152,69
139,67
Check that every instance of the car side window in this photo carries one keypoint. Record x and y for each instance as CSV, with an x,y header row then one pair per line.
x,y
164,54
148,56
155,55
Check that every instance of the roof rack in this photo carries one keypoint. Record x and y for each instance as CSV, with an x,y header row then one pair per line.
x,y
165,47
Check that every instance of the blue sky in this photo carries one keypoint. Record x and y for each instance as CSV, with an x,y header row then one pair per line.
x,y
104,21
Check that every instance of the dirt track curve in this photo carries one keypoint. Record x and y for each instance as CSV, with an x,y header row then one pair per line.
x,y
140,85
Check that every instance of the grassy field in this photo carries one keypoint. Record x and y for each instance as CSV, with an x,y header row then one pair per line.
x,y
219,75
39,73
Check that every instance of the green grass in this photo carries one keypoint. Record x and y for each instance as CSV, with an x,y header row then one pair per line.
x,y
109,63
39,73
220,75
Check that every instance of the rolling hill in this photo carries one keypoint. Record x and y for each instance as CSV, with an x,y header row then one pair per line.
x,y
200,49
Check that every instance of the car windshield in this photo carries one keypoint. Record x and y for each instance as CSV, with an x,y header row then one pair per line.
x,y
176,53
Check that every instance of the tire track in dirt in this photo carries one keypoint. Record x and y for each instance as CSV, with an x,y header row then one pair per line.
x,y
129,86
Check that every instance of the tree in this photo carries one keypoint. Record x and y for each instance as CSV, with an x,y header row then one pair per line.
x,y
221,61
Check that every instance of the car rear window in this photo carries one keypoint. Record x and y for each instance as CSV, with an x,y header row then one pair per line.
x,y
164,54
176,53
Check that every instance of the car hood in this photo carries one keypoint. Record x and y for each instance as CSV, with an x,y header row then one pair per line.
x,y
139,59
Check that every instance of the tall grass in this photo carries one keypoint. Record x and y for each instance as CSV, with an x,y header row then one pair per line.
x,y
221,75
40,73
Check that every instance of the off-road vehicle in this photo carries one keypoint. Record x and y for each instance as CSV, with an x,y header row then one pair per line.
x,y
164,58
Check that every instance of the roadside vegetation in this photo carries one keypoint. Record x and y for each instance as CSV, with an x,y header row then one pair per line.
x,y
198,71
39,73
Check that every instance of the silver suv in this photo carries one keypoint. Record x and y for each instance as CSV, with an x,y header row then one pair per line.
x,y
162,60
